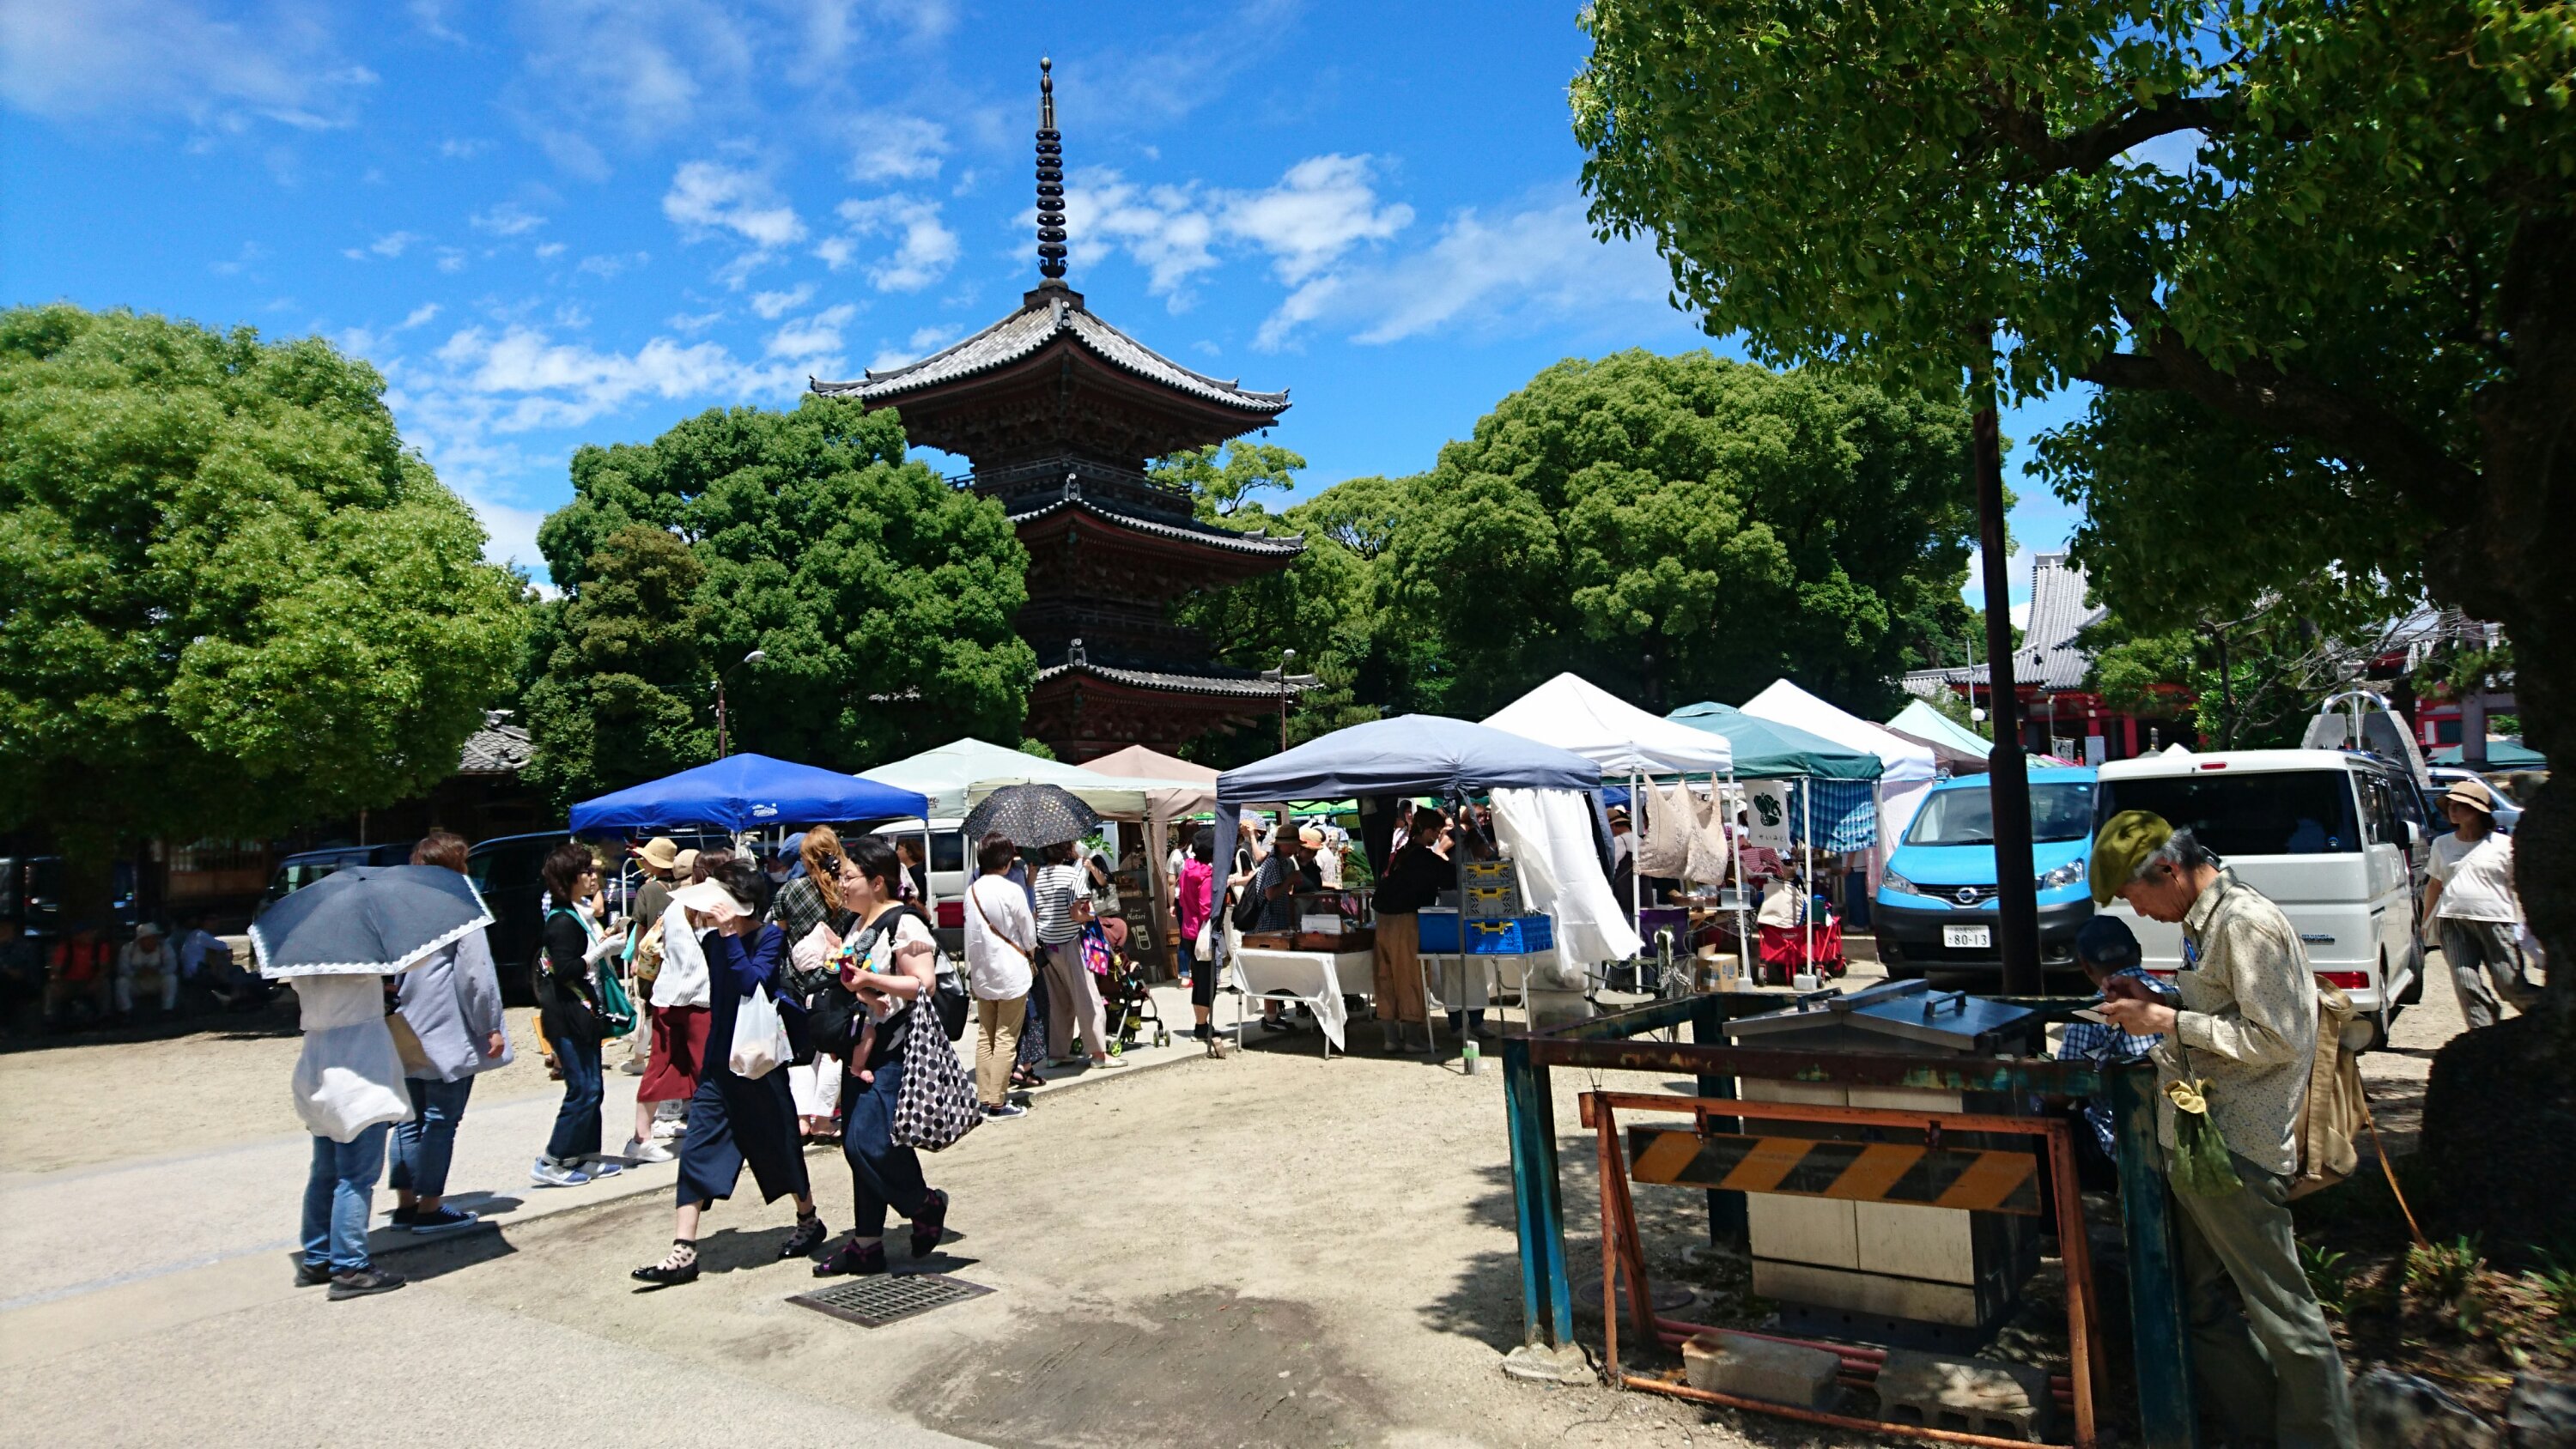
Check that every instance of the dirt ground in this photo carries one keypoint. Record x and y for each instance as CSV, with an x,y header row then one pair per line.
x,y
1267,1250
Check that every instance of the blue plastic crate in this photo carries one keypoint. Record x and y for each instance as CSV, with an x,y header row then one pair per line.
x,y
1518,936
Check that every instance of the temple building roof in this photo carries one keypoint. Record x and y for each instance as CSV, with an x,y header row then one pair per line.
x,y
1207,535
1047,313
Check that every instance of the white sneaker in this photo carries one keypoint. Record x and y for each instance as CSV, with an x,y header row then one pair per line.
x,y
549,1173
641,1151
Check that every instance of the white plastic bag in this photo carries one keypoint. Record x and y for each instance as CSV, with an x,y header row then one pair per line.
x,y
759,1037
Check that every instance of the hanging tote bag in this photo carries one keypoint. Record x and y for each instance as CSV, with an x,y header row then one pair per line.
x,y
616,1009
937,1106
760,1044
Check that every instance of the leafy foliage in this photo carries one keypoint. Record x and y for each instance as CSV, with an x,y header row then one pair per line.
x,y
1685,527
1220,490
881,597
620,689
230,600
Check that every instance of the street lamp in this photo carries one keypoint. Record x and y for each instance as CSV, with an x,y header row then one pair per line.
x,y
754,657
1286,680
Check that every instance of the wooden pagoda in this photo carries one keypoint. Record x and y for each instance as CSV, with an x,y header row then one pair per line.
x,y
1058,412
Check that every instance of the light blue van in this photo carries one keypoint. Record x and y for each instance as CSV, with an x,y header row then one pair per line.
x,y
1935,907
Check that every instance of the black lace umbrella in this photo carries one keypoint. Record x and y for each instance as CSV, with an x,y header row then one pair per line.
x,y
1032,815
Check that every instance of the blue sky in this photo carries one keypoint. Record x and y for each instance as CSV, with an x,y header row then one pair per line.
x,y
565,221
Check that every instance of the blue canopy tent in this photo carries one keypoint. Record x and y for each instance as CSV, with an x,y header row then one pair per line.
x,y
1414,754
746,792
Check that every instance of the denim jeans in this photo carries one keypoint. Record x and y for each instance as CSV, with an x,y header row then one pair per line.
x,y
882,1174
423,1145
576,1134
339,1193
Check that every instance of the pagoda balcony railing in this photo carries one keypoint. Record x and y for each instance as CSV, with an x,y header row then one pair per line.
x,y
1047,477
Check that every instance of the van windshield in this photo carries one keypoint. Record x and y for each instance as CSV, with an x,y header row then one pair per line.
x,y
2288,812
1966,815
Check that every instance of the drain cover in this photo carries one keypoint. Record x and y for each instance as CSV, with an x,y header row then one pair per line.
x,y
876,1301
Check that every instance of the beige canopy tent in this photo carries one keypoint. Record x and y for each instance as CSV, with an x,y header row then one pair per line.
x,y
1134,784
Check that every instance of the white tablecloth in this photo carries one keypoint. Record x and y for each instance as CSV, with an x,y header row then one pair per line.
x,y
1318,978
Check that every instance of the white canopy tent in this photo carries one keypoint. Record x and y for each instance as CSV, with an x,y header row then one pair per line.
x,y
1572,713
948,774
1909,767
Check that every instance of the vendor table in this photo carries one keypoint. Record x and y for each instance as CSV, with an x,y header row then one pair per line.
x,y
1320,979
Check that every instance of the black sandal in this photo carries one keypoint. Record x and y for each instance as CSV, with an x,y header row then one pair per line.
x,y
851,1260
929,1223
681,1266
809,1236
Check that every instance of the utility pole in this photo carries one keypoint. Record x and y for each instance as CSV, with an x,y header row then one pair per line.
x,y
754,657
1286,682
2007,778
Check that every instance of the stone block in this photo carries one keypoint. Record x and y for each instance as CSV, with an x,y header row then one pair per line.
x,y
2391,1410
1757,1368
1966,1395
2541,1414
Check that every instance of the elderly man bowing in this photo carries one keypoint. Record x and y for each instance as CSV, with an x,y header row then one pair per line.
x,y
2245,1033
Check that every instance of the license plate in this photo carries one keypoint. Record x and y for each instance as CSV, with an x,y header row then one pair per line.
x,y
1977,938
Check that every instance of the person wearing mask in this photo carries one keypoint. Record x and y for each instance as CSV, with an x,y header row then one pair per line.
x,y
568,1014
890,965
1414,877
2245,1034
348,1089
1001,965
678,1016
807,909
1194,896
736,1121
451,1005
1074,1006
1288,869
2473,904
147,961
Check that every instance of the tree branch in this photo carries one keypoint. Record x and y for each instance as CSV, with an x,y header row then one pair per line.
x,y
2357,430
2089,150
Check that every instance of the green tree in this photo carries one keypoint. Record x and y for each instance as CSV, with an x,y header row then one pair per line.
x,y
881,596
1678,528
231,601
2353,238
619,694
1220,489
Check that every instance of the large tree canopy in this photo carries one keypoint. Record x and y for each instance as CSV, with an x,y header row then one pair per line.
x,y
881,596
1681,528
2337,241
230,601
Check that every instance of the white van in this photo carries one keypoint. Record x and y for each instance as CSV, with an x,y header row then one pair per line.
x,y
2335,838
948,873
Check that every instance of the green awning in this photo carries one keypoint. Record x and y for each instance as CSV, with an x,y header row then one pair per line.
x,y
1765,750
2501,755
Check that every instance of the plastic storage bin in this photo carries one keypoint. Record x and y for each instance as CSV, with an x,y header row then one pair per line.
x,y
1517,936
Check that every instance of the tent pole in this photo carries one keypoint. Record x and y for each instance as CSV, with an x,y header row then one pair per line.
x,y
1735,868
1807,869
1636,887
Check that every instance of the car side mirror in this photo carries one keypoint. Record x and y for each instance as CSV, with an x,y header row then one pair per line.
x,y
2414,835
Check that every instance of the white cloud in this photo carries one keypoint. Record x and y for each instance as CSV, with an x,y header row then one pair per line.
x,y
548,251
923,342
241,261
519,378
70,61
708,196
896,148
1541,260
391,244
608,265
420,316
836,252
451,259
507,219
773,305
463,148
1320,210
924,246
809,339
693,323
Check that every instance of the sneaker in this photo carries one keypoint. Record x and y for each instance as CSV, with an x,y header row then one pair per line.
x,y
312,1275
549,1173
1005,1112
669,1129
642,1151
363,1283
401,1217
441,1219
599,1167
632,1067
1274,1023
1113,1061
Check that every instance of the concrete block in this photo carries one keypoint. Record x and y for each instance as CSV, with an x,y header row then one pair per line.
x,y
1757,1368
1967,1395
2392,1410
2541,1414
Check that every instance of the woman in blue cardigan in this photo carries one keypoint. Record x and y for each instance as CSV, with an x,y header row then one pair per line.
x,y
736,1120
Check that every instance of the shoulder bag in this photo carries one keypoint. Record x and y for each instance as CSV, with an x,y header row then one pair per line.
x,y
937,1105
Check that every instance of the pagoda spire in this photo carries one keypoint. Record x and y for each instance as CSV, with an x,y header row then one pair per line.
x,y
1051,232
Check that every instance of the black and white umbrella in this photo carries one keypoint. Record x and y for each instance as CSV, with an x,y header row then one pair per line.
x,y
366,920
1032,815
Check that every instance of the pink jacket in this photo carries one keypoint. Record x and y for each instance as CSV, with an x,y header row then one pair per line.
x,y
1197,896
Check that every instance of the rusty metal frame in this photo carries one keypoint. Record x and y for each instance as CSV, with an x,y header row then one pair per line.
x,y
2168,1417
1621,1248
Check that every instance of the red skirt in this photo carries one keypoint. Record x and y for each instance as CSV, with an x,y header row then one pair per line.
x,y
679,1054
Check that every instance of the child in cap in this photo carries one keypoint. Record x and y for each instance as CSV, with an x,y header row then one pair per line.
x,y
2105,948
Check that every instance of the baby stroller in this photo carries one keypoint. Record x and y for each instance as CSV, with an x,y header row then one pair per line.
x,y
1127,1006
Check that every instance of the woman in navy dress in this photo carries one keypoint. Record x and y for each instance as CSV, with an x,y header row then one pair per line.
x,y
735,1120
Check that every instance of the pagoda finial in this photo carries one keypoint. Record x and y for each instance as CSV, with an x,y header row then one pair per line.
x,y
1051,232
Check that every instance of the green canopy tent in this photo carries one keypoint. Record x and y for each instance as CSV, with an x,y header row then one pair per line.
x,y
1768,750
2501,755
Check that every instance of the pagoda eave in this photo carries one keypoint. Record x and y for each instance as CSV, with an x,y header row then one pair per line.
x,y
1088,710
1058,393
1148,550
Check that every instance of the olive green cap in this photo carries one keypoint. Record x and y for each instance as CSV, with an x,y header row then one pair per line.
x,y
2127,839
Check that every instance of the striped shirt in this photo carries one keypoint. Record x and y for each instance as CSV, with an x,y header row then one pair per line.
x,y
1057,886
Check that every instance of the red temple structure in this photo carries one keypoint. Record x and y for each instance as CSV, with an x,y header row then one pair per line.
x,y
1058,412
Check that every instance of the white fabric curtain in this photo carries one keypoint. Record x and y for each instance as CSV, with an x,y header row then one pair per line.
x,y
1548,833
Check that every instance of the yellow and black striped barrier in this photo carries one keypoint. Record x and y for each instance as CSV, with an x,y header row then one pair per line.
x,y
1995,1182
